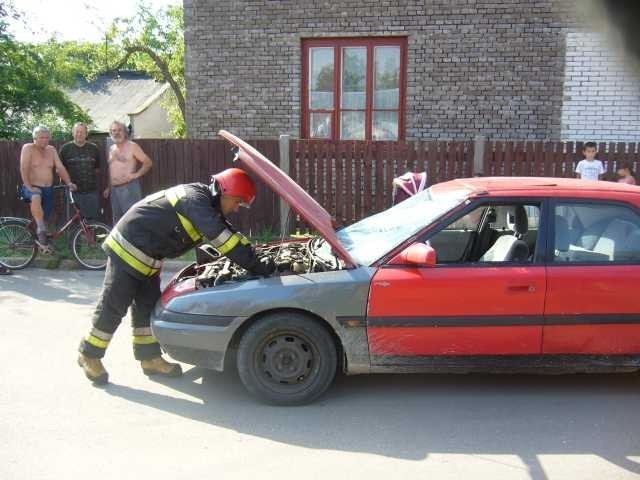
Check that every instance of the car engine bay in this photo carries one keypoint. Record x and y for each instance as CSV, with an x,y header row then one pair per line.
x,y
290,258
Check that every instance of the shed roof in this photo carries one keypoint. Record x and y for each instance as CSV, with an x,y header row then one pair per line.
x,y
115,96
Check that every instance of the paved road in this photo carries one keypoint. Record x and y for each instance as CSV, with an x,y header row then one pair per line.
x,y
55,425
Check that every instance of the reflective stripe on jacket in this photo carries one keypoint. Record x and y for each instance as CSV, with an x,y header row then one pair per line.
x,y
173,195
131,255
167,224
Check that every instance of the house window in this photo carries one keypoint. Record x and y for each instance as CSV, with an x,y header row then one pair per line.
x,y
353,88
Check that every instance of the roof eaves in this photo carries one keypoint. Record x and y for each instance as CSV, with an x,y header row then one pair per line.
x,y
150,100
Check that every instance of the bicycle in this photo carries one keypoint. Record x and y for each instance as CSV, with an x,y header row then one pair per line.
x,y
18,246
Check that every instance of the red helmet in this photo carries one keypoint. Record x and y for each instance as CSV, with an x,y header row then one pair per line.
x,y
236,183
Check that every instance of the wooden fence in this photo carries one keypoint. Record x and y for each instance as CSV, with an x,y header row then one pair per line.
x,y
353,180
553,159
350,179
174,162
184,161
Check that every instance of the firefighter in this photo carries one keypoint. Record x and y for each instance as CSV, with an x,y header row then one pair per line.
x,y
165,224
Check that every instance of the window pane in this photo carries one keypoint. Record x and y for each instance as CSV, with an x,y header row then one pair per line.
x,y
321,78
387,77
469,222
354,67
352,126
385,125
495,240
596,233
451,243
320,125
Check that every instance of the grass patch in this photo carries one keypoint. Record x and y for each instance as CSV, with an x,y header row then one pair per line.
x,y
61,252
189,256
61,247
263,236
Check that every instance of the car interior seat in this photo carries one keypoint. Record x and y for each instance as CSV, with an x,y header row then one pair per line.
x,y
562,239
511,248
589,236
629,251
606,240
614,237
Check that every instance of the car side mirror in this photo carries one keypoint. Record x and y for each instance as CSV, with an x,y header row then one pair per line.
x,y
418,255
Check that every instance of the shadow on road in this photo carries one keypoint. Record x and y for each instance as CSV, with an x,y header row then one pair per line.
x,y
77,287
412,416
81,287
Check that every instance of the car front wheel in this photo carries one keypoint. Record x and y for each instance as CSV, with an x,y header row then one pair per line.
x,y
287,358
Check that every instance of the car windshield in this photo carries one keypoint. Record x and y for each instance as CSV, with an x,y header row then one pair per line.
x,y
370,238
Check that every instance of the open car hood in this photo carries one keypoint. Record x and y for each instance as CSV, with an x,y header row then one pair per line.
x,y
292,193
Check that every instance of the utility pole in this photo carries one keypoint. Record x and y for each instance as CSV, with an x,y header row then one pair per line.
x,y
106,52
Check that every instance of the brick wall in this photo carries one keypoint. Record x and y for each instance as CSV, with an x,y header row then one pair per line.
x,y
489,67
601,93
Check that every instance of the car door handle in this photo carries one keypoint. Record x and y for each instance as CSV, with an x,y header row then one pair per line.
x,y
521,288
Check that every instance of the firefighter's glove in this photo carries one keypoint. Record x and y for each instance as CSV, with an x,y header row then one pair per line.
x,y
264,266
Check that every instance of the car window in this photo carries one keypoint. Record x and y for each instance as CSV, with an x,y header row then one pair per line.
x,y
374,236
533,215
468,222
491,233
595,233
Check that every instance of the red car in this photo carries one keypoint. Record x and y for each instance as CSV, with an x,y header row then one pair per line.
x,y
471,275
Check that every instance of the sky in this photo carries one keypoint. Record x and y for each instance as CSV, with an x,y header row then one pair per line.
x,y
82,20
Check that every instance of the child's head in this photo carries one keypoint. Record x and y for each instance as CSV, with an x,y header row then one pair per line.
x,y
625,169
589,150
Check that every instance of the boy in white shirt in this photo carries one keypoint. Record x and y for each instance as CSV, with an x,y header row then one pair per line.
x,y
590,168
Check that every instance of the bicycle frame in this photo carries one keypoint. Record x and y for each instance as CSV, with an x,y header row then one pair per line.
x,y
76,217
23,247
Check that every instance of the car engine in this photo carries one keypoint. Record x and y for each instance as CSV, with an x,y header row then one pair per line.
x,y
289,258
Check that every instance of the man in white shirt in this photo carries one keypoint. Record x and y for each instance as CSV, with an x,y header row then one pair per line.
x,y
590,168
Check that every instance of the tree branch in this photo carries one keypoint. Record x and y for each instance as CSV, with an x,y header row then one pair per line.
x,y
162,66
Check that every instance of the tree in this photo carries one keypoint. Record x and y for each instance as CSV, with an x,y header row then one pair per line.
x,y
70,61
154,43
150,41
28,95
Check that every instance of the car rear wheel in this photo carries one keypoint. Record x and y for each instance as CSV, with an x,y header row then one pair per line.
x,y
287,359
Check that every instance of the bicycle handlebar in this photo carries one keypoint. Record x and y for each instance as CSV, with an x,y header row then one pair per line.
x,y
68,188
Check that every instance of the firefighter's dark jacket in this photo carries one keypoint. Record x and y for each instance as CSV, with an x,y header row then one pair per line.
x,y
167,224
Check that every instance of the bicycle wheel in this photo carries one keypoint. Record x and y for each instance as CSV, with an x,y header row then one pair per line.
x,y
17,244
87,247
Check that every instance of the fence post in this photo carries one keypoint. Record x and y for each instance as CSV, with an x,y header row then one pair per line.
x,y
284,166
479,145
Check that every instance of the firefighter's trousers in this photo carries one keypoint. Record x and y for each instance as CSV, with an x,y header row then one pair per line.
x,y
120,291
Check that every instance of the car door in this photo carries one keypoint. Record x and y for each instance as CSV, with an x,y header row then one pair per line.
x,y
592,304
468,307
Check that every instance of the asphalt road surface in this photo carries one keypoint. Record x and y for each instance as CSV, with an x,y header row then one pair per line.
x,y
55,425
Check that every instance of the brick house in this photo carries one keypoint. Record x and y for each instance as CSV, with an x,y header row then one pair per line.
x,y
403,69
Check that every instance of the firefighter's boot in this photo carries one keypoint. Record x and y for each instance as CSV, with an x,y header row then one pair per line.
x,y
159,366
93,369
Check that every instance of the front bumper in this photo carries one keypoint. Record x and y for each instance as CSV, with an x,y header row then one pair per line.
x,y
200,340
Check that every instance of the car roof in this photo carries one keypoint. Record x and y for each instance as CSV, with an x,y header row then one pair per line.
x,y
535,185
